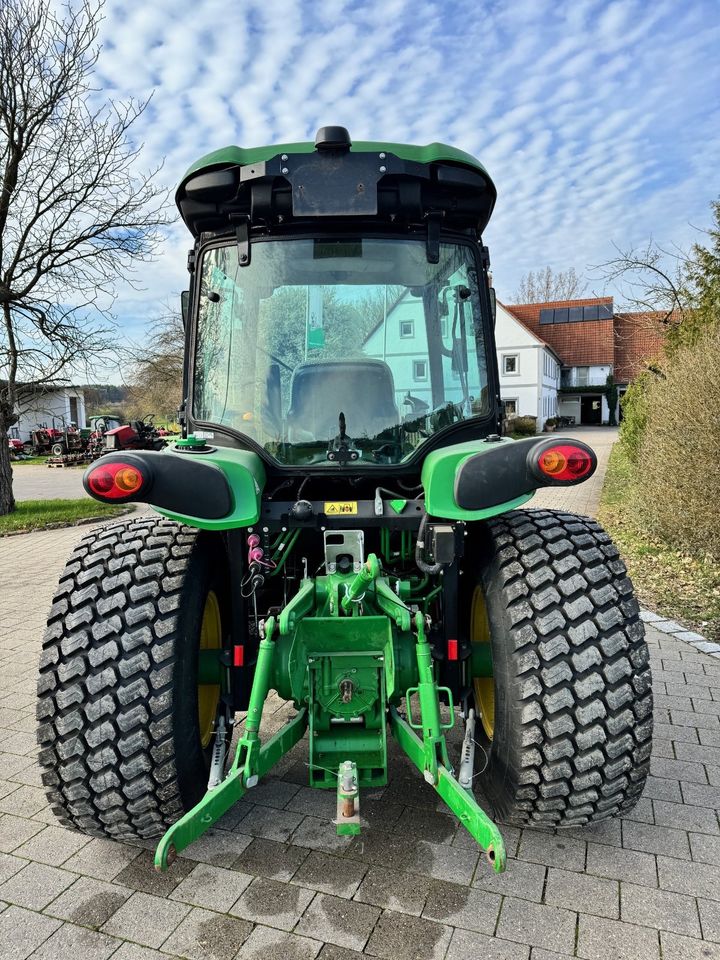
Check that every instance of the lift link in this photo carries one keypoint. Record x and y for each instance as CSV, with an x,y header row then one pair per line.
x,y
431,758
251,761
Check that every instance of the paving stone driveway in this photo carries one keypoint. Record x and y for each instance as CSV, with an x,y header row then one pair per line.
x,y
273,881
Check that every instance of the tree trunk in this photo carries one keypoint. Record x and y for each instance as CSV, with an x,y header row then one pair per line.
x,y
7,501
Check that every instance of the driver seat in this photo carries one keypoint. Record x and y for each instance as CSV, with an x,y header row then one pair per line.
x,y
364,390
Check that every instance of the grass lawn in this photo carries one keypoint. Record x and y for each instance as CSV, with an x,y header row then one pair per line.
x,y
33,461
42,514
668,581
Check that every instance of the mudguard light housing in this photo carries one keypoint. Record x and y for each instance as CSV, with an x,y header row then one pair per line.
x,y
116,481
563,463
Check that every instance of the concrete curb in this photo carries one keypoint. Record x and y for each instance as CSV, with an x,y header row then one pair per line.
x,y
677,630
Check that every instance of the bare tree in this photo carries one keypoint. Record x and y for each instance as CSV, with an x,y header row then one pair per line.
x,y
155,381
651,281
545,286
75,216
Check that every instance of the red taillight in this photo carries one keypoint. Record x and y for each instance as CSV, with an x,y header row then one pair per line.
x,y
565,462
115,481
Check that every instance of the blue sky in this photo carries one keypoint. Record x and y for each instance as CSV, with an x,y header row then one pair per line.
x,y
599,121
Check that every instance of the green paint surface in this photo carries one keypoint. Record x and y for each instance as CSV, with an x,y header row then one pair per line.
x,y
246,476
241,156
438,477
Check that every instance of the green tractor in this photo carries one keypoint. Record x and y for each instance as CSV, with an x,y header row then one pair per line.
x,y
342,522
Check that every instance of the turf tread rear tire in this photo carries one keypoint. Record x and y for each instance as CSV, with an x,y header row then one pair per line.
x,y
573,713
110,679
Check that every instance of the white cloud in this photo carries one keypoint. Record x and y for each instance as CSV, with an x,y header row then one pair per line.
x,y
598,121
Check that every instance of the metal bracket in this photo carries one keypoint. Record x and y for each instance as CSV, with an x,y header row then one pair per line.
x,y
243,242
433,238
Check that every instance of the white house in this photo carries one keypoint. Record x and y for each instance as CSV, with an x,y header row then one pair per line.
x,y
48,406
529,370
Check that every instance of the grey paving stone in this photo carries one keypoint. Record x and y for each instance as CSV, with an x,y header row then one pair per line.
x,y
311,802
629,865
426,825
268,858
659,909
537,925
24,802
102,859
466,945
265,943
273,793
333,875
346,923
585,894
437,860
522,878
77,943
554,851
217,847
661,789
668,626
320,835
22,931
392,890
331,951
689,636
145,919
9,866
204,935
688,718
53,845
89,902
537,953
399,936
133,951
36,885
652,839
705,848
678,770
14,831
213,887
601,939
675,947
273,904
649,617
459,906
642,812
271,824
700,794
140,874
701,819
698,880
709,919
607,831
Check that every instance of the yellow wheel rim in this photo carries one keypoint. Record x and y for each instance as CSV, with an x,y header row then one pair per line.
x,y
484,687
209,693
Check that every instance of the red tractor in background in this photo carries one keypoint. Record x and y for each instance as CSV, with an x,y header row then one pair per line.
x,y
136,435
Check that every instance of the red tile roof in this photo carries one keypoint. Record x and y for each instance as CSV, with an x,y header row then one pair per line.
x,y
639,338
627,341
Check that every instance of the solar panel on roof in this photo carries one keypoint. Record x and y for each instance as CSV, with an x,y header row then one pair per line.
x,y
590,313
546,315
575,314
561,315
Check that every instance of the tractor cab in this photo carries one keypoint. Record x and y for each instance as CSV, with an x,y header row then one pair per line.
x,y
330,281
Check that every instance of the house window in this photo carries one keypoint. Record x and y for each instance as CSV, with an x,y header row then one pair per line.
x,y
74,410
582,376
511,408
511,363
407,329
419,369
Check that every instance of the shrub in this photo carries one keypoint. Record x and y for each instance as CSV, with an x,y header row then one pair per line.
x,y
526,426
550,423
634,406
675,431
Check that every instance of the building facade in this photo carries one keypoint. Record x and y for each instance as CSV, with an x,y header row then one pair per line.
x,y
593,343
48,406
529,370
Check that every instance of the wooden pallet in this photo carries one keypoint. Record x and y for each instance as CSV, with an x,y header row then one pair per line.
x,y
68,460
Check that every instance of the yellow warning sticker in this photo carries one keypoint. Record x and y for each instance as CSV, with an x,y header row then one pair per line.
x,y
345,508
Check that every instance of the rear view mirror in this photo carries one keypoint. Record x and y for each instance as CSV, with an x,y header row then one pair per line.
x,y
493,304
185,306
